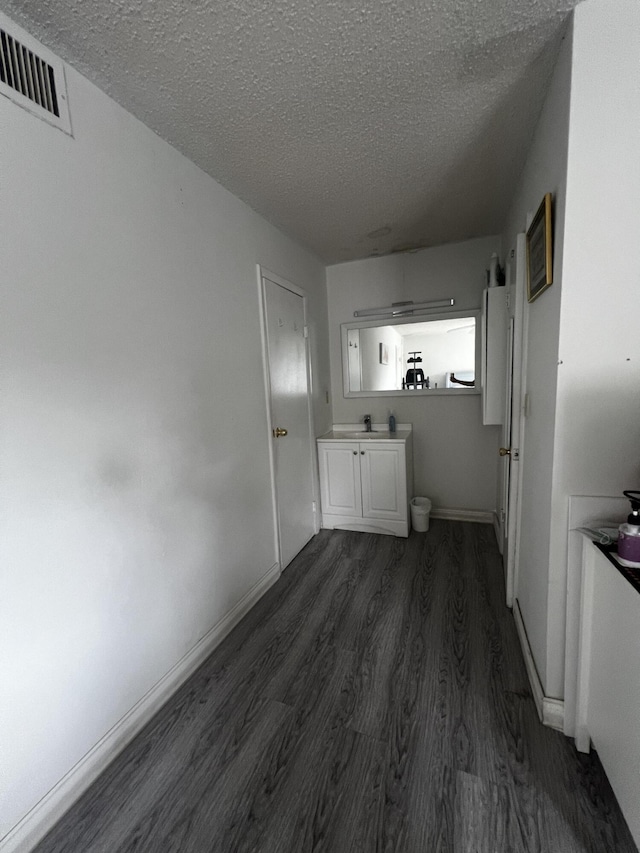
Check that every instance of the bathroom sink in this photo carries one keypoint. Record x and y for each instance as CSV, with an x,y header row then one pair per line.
x,y
346,432
359,436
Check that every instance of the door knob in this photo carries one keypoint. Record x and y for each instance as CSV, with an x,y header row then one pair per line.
x,y
279,432
505,451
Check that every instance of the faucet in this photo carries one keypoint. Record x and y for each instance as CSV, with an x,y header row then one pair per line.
x,y
367,423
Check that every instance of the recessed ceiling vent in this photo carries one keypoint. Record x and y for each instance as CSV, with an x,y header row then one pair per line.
x,y
31,76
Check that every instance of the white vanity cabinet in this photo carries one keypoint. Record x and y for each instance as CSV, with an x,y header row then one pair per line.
x,y
340,488
608,689
365,484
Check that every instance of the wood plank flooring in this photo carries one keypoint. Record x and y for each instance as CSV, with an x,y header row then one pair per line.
x,y
375,700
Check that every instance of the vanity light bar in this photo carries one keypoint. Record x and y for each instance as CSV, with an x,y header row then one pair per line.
x,y
399,309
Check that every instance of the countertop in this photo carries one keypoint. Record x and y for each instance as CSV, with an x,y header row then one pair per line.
x,y
360,435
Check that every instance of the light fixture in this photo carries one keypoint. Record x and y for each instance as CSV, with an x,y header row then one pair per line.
x,y
401,309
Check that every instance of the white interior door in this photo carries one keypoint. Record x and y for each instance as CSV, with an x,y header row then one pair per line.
x,y
290,415
506,442
512,436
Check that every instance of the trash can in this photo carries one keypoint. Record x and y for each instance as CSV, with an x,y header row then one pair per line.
x,y
420,509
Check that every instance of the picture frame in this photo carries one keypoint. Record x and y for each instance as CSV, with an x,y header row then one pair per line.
x,y
539,251
384,353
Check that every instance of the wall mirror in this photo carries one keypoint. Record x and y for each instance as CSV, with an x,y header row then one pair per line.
x,y
438,354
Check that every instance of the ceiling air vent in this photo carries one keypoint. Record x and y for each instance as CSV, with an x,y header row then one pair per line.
x,y
31,76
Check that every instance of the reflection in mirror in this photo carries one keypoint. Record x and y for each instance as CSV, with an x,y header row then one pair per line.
x,y
411,355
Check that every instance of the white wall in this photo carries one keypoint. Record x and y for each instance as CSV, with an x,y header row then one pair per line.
x,y
597,434
583,431
375,375
545,171
135,491
454,455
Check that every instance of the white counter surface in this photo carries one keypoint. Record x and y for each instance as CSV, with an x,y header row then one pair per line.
x,y
361,435
356,432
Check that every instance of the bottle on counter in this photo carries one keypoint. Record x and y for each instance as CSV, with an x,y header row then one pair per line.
x,y
392,422
629,534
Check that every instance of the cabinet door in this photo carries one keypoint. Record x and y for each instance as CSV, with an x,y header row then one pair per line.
x,y
340,478
494,354
384,481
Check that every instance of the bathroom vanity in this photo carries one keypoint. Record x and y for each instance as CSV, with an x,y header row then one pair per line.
x,y
366,478
608,691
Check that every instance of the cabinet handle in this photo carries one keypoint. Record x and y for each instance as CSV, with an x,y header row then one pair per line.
x,y
355,452
362,453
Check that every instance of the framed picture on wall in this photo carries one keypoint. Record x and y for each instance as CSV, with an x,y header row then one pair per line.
x,y
539,251
384,353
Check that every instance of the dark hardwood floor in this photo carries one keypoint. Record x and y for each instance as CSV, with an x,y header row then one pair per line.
x,y
375,700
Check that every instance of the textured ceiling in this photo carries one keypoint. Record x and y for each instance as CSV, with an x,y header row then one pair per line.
x,y
358,128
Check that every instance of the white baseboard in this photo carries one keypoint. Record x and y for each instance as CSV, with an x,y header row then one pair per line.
x,y
496,530
463,515
347,522
532,672
553,713
46,813
550,711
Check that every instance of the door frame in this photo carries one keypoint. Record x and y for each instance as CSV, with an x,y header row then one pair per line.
x,y
507,440
262,274
516,399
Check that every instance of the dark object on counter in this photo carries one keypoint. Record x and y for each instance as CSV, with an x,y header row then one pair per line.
x,y
629,536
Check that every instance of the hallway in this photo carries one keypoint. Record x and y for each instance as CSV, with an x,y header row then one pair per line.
x,y
375,699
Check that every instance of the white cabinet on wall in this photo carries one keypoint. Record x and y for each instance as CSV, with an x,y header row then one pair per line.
x,y
365,484
494,354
